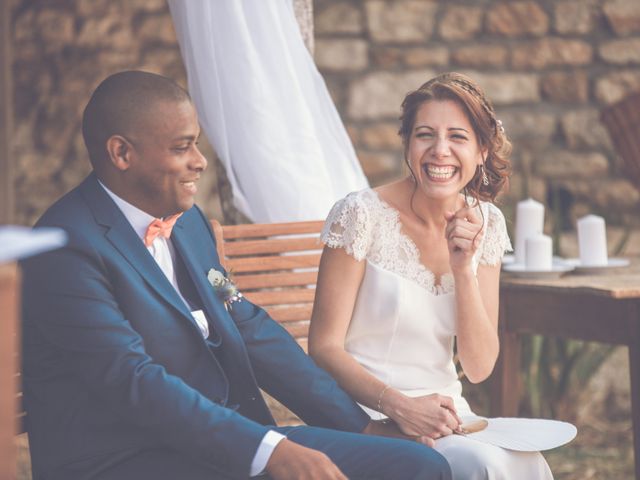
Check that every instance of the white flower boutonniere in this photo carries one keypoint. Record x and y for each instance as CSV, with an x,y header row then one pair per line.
x,y
224,288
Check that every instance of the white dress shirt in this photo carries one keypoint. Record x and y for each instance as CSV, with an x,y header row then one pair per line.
x,y
163,253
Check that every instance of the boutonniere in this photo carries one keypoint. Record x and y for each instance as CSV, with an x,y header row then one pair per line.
x,y
224,288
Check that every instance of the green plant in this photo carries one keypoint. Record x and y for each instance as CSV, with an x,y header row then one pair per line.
x,y
555,370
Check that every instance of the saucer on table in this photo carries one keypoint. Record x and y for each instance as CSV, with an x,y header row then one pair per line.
x,y
509,259
519,270
612,264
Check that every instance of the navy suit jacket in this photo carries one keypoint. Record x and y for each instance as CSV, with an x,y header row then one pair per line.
x,y
114,362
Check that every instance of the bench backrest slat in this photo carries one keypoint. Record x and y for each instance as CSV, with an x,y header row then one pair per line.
x,y
275,265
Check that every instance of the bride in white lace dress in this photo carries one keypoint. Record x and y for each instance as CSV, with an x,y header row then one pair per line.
x,y
413,265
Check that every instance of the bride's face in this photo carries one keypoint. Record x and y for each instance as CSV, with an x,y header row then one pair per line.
x,y
443,149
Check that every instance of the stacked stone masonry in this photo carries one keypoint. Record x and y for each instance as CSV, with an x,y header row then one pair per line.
x,y
61,50
550,66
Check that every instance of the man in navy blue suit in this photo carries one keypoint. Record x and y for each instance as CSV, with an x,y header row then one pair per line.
x,y
133,367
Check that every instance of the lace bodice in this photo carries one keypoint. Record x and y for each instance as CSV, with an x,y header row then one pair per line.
x,y
367,227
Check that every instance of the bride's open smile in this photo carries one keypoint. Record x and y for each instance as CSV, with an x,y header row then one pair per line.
x,y
443,149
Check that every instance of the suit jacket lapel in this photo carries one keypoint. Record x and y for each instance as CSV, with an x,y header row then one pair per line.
x,y
223,329
124,239
198,274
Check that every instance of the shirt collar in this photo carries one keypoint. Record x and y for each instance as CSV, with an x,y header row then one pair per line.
x,y
138,219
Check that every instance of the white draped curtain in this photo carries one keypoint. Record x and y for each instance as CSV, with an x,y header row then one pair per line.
x,y
265,108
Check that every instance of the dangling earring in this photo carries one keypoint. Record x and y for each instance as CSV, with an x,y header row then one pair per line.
x,y
483,173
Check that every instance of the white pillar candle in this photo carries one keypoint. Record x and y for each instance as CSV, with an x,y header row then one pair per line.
x,y
529,222
592,241
538,252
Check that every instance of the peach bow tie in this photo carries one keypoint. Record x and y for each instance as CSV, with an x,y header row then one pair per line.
x,y
160,227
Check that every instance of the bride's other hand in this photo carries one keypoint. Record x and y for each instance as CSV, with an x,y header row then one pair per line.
x,y
432,415
464,234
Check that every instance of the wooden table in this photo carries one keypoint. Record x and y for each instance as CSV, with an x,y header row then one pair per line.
x,y
601,308
8,367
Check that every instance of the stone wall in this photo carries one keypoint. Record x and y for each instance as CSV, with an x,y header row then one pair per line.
x,y
62,49
549,67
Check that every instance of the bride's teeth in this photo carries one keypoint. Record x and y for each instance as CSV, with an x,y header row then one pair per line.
x,y
440,172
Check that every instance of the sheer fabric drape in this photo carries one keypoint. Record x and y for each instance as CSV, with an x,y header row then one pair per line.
x,y
265,108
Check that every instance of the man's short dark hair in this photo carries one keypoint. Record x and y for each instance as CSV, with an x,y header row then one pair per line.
x,y
122,102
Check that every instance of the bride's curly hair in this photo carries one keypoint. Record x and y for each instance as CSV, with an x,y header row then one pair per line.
x,y
488,129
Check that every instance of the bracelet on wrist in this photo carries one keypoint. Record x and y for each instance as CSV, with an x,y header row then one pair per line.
x,y
386,387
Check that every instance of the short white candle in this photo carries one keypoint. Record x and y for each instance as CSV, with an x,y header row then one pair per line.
x,y
538,252
529,222
592,241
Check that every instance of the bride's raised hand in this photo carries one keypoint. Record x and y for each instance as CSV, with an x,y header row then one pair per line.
x,y
464,234
432,415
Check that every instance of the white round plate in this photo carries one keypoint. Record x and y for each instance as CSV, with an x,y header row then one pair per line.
x,y
526,434
519,270
612,264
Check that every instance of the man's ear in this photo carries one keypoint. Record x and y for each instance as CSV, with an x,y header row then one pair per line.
x,y
119,150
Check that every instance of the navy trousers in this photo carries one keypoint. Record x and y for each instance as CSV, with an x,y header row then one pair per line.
x,y
363,457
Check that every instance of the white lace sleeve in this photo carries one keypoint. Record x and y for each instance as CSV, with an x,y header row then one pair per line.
x,y
496,240
348,226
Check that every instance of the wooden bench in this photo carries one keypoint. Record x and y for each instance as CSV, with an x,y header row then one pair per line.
x,y
622,120
275,265
9,365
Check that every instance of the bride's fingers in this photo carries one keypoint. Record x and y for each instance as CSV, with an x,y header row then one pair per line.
x,y
460,229
467,213
477,240
461,243
462,226
474,237
428,441
464,233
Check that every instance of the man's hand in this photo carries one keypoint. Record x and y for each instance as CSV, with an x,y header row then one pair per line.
x,y
290,461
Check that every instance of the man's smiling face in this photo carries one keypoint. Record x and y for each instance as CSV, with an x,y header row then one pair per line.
x,y
165,162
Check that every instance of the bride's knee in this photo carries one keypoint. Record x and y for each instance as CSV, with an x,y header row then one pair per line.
x,y
425,462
